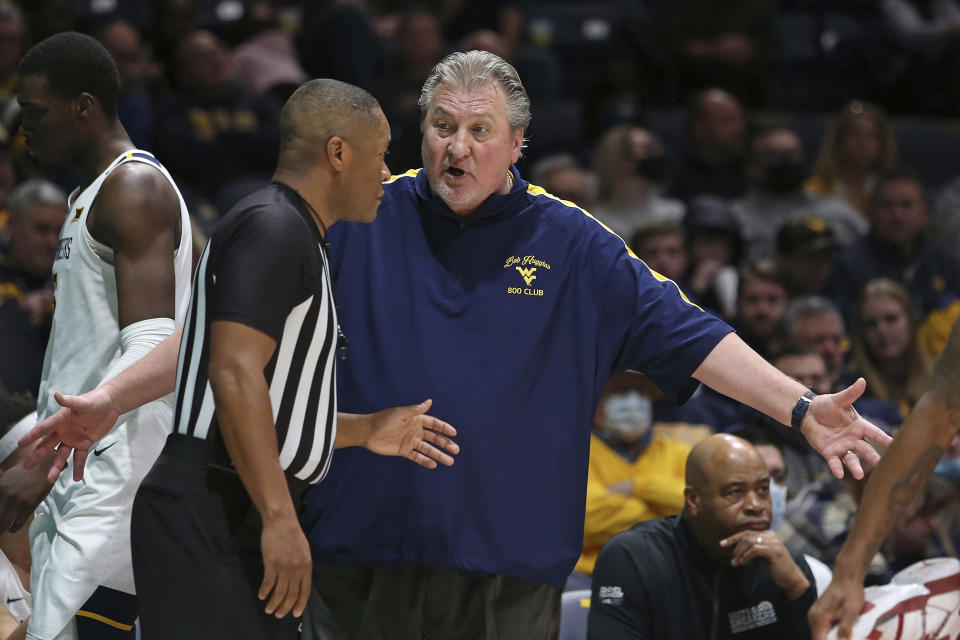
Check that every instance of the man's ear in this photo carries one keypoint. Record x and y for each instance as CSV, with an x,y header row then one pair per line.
x,y
691,500
338,153
83,105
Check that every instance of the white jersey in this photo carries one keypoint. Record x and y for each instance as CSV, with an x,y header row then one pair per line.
x,y
13,594
80,537
85,334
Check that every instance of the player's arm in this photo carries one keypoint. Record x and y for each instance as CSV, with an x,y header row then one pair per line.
x,y
831,425
137,214
400,431
238,356
86,418
897,480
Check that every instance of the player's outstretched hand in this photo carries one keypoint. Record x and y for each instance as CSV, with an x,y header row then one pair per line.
x,y
840,604
410,433
834,428
82,421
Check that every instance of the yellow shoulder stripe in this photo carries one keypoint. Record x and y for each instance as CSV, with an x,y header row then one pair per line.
x,y
534,190
407,174
105,620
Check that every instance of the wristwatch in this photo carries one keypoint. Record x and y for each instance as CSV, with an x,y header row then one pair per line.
x,y
800,409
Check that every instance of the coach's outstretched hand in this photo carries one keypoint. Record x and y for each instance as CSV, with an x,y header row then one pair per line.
x,y
410,433
834,428
82,421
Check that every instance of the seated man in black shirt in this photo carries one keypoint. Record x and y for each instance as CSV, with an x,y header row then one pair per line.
x,y
716,571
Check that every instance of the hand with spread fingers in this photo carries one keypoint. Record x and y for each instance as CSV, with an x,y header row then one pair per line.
x,y
834,428
74,429
410,433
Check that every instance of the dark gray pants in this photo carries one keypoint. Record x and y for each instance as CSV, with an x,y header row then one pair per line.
x,y
408,602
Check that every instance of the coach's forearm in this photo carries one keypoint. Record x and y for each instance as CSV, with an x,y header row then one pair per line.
x,y
739,372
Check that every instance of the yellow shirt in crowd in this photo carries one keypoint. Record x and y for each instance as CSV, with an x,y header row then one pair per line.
x,y
657,491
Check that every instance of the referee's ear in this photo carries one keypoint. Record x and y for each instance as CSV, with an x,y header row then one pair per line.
x,y
338,153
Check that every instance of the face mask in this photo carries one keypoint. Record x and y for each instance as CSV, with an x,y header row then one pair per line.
x,y
778,500
653,168
784,175
627,416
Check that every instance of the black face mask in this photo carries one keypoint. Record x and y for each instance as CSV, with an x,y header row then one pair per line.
x,y
653,168
784,175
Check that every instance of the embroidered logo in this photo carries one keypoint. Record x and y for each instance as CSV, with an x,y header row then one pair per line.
x,y
752,617
527,274
611,595
77,213
526,266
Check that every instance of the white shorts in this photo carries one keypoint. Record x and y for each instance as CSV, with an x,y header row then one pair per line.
x,y
80,536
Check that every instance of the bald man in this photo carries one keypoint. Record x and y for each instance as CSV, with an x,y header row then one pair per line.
x,y
715,571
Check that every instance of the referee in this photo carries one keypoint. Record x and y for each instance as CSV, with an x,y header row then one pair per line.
x,y
215,527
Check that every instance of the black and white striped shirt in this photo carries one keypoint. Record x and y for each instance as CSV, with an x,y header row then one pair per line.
x,y
265,267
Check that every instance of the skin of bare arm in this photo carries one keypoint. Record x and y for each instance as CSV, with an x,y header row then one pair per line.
x,y
894,483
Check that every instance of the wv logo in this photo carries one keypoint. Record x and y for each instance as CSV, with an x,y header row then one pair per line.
x,y
79,212
527,274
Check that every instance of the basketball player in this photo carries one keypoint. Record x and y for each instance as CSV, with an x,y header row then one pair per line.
x,y
121,276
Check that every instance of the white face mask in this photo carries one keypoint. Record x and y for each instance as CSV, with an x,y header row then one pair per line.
x,y
627,416
778,500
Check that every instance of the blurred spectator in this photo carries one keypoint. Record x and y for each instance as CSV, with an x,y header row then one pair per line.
x,y
663,247
714,250
172,20
502,19
8,178
858,145
715,571
770,449
138,73
212,133
898,248
561,175
819,518
631,165
761,301
634,475
815,323
418,46
928,32
265,59
725,43
805,248
47,17
884,345
713,154
337,41
12,40
776,170
26,292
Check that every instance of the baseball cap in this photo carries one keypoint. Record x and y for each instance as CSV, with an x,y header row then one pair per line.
x,y
808,235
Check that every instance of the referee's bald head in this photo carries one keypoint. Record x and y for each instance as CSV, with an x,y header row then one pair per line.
x,y
319,110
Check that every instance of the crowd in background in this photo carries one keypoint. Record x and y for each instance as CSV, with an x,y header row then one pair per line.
x,y
788,163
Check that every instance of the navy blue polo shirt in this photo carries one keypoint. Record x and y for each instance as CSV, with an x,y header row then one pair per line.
x,y
512,321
